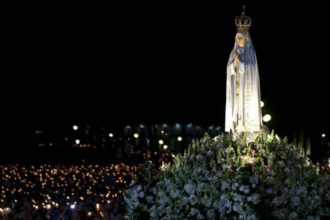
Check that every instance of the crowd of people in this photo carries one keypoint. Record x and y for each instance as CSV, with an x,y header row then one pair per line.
x,y
64,192
83,191
91,189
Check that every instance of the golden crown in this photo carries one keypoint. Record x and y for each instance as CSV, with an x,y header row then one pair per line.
x,y
243,22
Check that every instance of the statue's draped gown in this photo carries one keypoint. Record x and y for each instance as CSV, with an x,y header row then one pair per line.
x,y
243,110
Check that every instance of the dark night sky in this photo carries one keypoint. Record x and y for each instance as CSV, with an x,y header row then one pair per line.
x,y
112,64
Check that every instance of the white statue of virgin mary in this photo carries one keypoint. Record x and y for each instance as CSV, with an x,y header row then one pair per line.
x,y
243,110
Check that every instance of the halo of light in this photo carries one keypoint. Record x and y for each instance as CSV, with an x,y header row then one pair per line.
x,y
262,104
267,118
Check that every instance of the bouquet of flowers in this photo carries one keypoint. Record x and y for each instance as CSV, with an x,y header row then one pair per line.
x,y
219,178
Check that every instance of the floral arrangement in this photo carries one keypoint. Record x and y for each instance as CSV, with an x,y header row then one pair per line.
x,y
218,178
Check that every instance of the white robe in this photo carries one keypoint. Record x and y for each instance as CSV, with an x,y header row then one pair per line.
x,y
243,111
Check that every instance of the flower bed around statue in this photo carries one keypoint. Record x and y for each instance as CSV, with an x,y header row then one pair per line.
x,y
217,178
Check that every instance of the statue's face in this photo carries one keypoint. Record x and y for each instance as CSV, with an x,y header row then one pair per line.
x,y
240,40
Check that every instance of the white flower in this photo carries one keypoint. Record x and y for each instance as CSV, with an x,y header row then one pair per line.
x,y
327,195
234,186
285,190
244,189
209,153
163,201
184,201
306,175
141,194
139,188
269,191
293,215
237,207
168,211
200,216
219,206
199,157
254,179
320,190
281,214
194,212
251,217
189,188
228,204
287,170
281,163
200,187
255,198
174,194
132,183
134,195
224,186
295,201
276,201
208,203
160,193
237,197
152,211
301,190
210,214
149,199
312,217
193,199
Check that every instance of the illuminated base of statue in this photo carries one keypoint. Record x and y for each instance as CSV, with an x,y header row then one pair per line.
x,y
250,136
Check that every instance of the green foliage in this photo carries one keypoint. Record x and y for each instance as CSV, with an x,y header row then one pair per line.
x,y
218,178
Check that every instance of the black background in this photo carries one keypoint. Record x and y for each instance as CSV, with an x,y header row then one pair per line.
x,y
164,62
